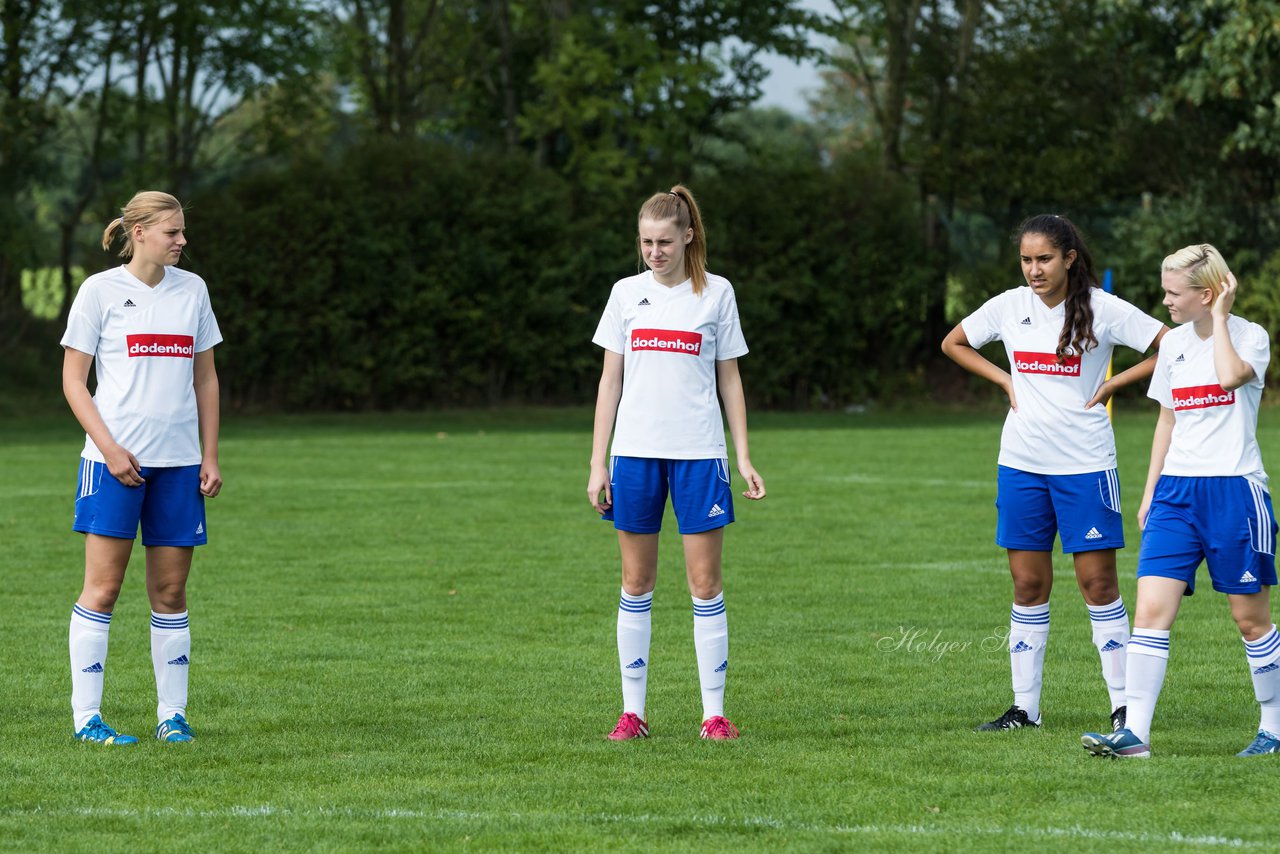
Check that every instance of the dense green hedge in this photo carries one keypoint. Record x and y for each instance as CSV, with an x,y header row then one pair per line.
x,y
411,275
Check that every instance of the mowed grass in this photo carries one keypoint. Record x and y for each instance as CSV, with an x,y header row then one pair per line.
x,y
404,639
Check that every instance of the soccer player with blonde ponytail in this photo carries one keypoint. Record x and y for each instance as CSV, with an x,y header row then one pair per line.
x,y
150,455
671,340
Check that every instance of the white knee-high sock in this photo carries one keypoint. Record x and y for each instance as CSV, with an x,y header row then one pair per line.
x,y
1264,666
171,660
1111,637
1145,668
711,642
87,640
1028,636
635,627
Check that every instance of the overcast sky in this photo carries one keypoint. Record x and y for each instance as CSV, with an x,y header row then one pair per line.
x,y
788,82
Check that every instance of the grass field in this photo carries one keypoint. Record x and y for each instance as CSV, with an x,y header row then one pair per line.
x,y
404,639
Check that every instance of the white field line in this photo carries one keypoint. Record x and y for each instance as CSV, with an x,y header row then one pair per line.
x,y
749,822
932,482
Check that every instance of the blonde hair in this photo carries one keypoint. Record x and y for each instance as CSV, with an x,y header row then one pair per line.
x,y
677,204
1202,264
145,208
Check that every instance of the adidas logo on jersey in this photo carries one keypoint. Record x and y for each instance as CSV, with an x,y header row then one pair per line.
x,y
716,510
724,665
96,667
1026,321
129,304
636,665
1181,358
1021,647
1269,668
1111,646
1247,578
1093,534
644,301
182,659
200,528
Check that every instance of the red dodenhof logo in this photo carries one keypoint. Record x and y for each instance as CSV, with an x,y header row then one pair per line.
x,y
668,340
177,346
1202,397
1027,362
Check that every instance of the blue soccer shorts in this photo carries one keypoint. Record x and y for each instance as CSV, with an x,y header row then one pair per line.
x,y
700,494
1228,522
168,506
1082,509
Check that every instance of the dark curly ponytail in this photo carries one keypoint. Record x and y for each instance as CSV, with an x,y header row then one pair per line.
x,y
1077,326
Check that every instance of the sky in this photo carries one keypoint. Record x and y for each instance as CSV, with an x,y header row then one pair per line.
x,y
788,81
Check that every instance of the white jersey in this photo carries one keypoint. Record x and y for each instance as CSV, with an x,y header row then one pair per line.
x,y
670,341
143,341
1215,432
1051,432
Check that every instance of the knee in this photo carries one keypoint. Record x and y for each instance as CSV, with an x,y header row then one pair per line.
x,y
1252,626
1100,590
638,586
1031,591
100,596
705,589
169,598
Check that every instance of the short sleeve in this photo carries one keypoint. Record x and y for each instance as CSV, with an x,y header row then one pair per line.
x,y
1254,347
84,321
208,335
1161,390
983,326
730,343
609,332
1131,326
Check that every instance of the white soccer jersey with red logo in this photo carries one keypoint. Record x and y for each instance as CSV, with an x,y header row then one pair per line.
x,y
670,341
1215,432
144,342
1051,432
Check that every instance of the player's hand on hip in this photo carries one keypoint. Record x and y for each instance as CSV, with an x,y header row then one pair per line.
x,y
597,484
210,479
1101,396
124,466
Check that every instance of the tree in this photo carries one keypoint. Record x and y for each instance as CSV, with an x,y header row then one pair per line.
x,y
38,58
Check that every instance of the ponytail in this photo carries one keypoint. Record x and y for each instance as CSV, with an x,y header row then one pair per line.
x,y
145,208
678,205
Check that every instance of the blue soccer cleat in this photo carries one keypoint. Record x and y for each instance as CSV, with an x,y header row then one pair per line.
x,y
1122,743
96,732
1263,744
175,730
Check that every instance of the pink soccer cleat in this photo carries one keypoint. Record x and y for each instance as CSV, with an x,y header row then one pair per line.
x,y
719,728
629,726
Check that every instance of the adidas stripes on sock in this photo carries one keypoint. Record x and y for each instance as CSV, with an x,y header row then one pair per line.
x,y
635,626
1264,666
87,640
1145,668
711,642
1028,636
1111,636
171,660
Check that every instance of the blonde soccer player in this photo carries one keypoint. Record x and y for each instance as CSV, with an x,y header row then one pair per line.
x,y
1206,498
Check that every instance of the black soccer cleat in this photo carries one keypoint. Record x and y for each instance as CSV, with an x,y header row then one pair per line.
x,y
1015,718
1118,718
